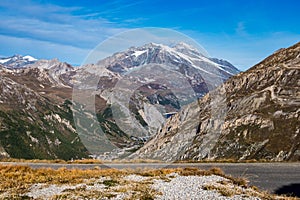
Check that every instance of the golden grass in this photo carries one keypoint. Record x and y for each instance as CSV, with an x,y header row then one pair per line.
x,y
135,161
81,161
222,190
59,161
85,161
17,180
31,160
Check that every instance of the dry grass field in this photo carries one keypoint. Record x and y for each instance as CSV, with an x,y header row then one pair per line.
x,y
22,182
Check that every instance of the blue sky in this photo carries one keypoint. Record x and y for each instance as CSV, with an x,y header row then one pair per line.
x,y
243,32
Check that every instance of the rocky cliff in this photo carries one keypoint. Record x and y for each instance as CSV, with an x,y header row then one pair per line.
x,y
253,115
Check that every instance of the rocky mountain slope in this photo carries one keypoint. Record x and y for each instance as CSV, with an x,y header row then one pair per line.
x,y
140,84
31,126
253,115
36,119
35,98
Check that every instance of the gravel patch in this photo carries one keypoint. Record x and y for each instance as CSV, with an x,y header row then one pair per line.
x,y
174,186
190,187
43,191
135,178
96,187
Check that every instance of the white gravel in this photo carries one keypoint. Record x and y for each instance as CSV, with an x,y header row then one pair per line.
x,y
175,187
135,178
190,187
96,186
47,191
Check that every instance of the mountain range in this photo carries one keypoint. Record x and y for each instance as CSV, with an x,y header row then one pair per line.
x,y
253,115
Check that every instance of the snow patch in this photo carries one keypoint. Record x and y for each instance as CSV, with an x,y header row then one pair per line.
x,y
138,53
29,58
2,61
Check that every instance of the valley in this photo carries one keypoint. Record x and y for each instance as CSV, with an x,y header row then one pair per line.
x,y
118,108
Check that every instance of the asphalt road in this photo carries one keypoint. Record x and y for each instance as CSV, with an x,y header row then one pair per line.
x,y
266,176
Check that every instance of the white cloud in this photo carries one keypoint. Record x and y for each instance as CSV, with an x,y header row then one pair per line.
x,y
55,24
51,31
78,33
241,29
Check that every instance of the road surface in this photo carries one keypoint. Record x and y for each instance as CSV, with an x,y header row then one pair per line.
x,y
266,176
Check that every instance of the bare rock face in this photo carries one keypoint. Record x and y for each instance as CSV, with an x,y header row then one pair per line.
x,y
253,115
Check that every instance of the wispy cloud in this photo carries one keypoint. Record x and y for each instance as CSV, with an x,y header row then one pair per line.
x,y
73,29
52,23
80,32
241,33
116,6
240,30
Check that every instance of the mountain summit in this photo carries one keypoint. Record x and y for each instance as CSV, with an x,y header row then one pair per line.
x,y
203,73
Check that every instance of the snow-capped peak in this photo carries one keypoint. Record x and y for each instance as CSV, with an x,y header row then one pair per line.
x,y
17,61
29,58
181,54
